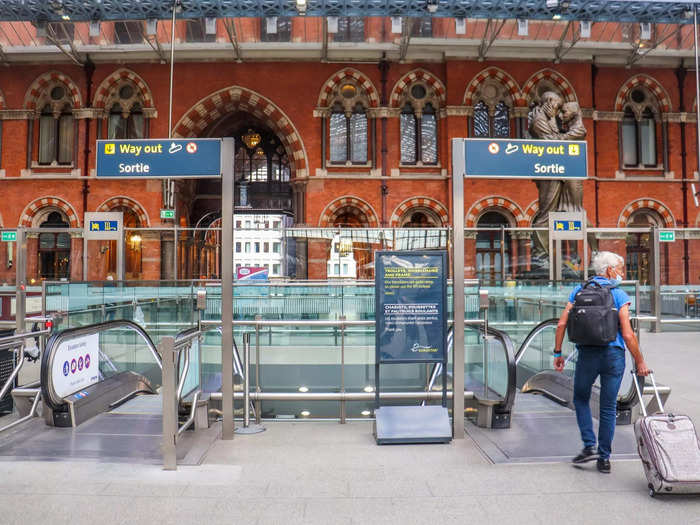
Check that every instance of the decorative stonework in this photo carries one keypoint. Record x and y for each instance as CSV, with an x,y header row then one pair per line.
x,y
406,206
530,212
116,80
46,81
236,98
123,201
650,84
349,74
348,203
649,204
498,74
420,76
496,203
550,77
34,209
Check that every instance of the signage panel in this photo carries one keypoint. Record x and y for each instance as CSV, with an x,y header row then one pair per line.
x,y
667,236
252,273
103,225
76,364
167,214
567,225
411,298
159,158
9,236
527,159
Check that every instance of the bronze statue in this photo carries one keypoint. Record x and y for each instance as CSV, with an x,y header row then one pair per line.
x,y
553,119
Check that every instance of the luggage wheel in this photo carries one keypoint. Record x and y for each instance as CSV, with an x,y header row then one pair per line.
x,y
652,492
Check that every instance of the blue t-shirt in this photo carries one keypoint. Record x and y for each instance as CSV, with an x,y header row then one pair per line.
x,y
619,296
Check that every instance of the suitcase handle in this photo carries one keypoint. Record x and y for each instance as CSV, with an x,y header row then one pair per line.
x,y
635,380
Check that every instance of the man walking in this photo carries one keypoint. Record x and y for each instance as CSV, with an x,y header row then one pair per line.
x,y
606,361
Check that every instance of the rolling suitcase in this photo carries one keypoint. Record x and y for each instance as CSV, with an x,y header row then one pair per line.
x,y
669,449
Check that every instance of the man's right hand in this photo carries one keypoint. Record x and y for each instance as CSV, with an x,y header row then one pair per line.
x,y
642,369
559,364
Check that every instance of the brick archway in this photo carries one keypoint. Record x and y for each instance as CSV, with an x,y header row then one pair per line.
x,y
350,203
41,83
126,202
324,98
33,209
495,202
648,204
419,202
235,98
530,213
413,76
103,91
565,88
501,76
648,82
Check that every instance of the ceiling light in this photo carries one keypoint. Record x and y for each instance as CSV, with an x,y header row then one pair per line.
x,y
432,5
305,413
369,388
551,4
366,412
556,17
301,6
303,389
65,17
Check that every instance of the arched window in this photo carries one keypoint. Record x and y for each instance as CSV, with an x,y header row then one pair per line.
x,y
638,130
493,253
134,242
56,128
348,125
54,249
491,117
126,119
418,125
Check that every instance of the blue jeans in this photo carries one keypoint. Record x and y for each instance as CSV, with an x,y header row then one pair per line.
x,y
609,364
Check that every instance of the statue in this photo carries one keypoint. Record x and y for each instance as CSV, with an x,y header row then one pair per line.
x,y
553,119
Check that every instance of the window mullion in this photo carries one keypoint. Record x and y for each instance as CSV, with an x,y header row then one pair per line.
x,y
419,139
348,139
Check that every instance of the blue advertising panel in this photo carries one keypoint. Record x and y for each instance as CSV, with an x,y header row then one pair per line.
x,y
159,158
411,298
528,159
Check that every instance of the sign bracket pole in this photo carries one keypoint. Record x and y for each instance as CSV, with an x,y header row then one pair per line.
x,y
227,198
458,159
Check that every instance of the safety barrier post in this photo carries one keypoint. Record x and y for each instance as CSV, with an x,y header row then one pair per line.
x,y
342,369
166,348
247,428
656,278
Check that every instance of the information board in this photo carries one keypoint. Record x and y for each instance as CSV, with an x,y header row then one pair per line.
x,y
411,298
528,159
76,364
159,158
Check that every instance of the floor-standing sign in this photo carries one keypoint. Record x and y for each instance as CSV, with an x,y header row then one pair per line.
x,y
498,159
411,327
104,226
187,158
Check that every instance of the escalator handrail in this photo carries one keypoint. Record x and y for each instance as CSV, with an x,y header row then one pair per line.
x,y
509,347
48,393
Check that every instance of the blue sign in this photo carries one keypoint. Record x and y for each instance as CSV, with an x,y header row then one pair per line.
x,y
104,226
159,158
527,159
411,298
567,226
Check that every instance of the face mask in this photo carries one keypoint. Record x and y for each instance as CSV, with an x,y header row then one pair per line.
x,y
617,280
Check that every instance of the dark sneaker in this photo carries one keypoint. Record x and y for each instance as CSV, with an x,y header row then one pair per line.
x,y
603,465
587,454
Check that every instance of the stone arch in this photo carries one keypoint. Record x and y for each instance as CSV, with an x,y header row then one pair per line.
x,y
436,207
646,203
126,202
417,75
530,213
40,84
501,76
348,202
227,100
106,86
33,212
495,203
648,82
565,87
324,98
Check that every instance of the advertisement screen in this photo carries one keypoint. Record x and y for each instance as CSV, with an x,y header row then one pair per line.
x,y
76,364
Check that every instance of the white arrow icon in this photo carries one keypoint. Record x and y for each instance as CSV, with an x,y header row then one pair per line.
x,y
174,148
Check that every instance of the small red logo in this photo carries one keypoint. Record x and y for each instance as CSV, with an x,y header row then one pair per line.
x,y
191,147
494,148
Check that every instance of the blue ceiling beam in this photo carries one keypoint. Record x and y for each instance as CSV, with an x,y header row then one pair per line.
x,y
664,11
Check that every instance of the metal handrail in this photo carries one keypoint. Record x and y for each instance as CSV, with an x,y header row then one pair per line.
x,y
49,394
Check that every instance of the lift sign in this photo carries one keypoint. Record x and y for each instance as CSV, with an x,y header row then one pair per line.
x,y
104,226
567,226
159,158
76,365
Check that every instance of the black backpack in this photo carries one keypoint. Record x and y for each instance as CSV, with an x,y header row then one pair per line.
x,y
594,319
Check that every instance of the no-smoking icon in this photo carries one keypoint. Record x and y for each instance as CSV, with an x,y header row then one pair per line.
x,y
494,148
191,147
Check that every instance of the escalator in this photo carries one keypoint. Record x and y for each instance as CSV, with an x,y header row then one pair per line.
x,y
100,392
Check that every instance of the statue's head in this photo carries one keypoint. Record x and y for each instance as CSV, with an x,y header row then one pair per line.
x,y
569,111
551,102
